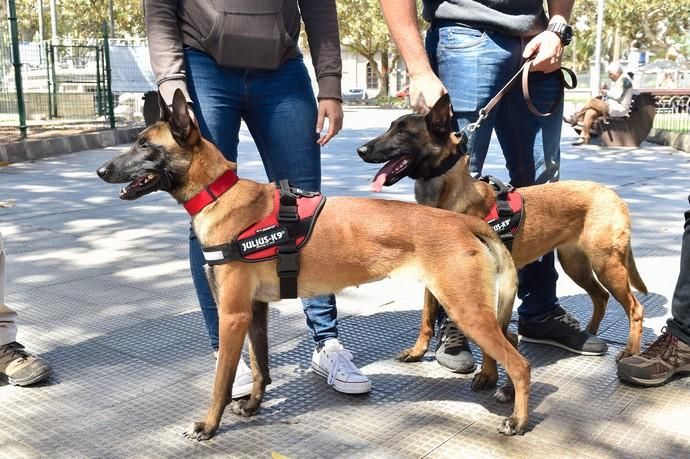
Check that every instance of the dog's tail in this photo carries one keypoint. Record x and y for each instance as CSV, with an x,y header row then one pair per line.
x,y
506,274
634,275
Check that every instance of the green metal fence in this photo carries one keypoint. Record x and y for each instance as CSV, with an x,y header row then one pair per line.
x,y
55,85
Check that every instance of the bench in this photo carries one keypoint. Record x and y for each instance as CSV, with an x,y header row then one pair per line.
x,y
630,130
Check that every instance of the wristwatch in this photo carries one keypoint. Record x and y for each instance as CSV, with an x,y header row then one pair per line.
x,y
563,30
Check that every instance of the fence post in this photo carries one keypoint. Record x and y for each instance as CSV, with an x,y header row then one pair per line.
x,y
50,90
52,82
16,61
108,77
99,95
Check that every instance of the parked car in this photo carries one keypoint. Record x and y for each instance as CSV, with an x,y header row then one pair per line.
x,y
354,94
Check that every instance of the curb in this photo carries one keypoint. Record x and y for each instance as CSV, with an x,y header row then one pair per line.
x,y
27,150
677,140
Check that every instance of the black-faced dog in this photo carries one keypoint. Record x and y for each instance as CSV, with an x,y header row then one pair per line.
x,y
587,223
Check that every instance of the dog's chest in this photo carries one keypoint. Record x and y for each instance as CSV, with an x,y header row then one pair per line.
x,y
428,192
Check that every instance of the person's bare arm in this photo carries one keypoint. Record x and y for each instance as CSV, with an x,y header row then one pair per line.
x,y
401,17
547,47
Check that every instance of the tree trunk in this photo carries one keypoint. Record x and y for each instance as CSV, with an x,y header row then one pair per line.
x,y
384,82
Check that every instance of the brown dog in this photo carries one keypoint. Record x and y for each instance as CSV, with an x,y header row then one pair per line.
x,y
586,222
458,258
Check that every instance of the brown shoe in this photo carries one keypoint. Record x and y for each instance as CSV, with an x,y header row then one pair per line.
x,y
665,357
20,367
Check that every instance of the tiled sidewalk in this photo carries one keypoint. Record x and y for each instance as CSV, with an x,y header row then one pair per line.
x,y
103,292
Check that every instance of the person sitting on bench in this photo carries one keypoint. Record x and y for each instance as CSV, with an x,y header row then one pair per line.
x,y
615,103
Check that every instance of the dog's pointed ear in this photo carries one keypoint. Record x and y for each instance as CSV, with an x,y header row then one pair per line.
x,y
182,126
420,105
439,118
164,109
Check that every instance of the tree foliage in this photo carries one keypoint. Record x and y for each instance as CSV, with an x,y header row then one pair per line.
x,y
79,19
364,31
654,25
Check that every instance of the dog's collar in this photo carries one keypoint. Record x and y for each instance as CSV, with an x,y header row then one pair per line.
x,y
211,192
450,161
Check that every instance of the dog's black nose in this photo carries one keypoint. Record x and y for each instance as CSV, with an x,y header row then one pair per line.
x,y
363,150
102,172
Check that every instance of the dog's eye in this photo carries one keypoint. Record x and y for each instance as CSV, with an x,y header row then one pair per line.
x,y
401,132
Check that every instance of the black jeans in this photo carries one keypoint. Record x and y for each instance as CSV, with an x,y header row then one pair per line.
x,y
679,323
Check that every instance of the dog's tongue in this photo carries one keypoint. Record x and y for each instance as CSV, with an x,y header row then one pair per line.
x,y
377,184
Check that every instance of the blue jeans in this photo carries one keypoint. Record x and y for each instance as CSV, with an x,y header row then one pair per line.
x,y
280,111
474,65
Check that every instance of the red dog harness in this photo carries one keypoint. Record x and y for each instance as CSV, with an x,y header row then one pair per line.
x,y
278,235
505,217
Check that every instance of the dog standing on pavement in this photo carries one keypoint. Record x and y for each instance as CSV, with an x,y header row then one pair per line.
x,y
587,223
355,241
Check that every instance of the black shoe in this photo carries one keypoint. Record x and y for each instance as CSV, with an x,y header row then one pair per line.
x,y
562,330
453,350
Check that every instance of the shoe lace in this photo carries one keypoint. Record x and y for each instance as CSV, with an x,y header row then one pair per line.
x,y
15,350
570,321
341,360
451,335
665,347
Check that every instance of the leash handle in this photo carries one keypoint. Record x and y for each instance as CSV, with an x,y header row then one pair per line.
x,y
564,84
523,73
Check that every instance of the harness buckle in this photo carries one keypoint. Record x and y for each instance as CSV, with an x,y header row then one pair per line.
x,y
288,260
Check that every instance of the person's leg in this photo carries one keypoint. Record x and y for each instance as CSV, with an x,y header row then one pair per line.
x,y
217,102
670,353
531,147
590,117
281,116
20,367
468,62
216,93
679,323
8,318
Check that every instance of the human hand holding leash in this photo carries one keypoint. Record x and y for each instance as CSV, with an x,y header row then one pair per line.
x,y
547,49
333,110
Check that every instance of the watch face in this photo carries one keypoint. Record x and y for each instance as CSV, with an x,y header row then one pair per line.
x,y
567,34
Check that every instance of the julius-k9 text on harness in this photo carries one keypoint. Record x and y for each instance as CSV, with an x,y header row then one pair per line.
x,y
505,217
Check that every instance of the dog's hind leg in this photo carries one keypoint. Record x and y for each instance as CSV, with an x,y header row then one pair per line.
x,y
234,291
578,266
613,274
426,330
258,351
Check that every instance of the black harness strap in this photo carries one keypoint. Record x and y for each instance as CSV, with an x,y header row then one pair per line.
x,y
288,255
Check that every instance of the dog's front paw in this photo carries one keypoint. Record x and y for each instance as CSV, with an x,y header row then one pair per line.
x,y
410,355
623,354
200,432
505,393
245,407
482,381
510,426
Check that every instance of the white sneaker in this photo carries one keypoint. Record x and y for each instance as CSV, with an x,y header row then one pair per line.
x,y
334,363
242,386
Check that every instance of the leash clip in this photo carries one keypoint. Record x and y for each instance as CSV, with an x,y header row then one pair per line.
x,y
473,126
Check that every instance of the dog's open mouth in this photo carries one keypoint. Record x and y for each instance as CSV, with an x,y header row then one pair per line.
x,y
394,170
142,185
